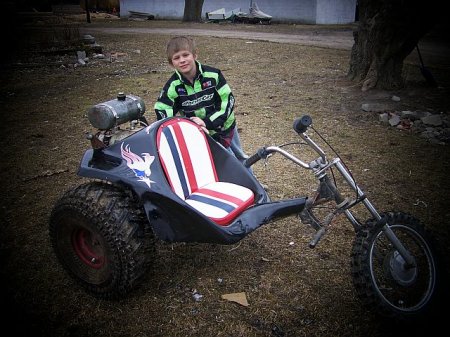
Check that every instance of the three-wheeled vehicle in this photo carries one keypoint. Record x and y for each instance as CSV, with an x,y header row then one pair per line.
x,y
171,181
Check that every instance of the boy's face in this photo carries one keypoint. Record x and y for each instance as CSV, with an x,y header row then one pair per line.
x,y
184,62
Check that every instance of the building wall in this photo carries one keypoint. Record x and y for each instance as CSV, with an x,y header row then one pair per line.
x,y
300,11
335,12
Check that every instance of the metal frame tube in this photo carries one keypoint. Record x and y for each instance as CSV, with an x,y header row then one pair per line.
x,y
315,147
286,154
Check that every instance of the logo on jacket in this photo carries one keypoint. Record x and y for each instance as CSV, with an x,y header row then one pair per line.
x,y
206,84
139,165
198,100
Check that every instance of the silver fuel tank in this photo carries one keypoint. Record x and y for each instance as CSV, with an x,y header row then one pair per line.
x,y
124,108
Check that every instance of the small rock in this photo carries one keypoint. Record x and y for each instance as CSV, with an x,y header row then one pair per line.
x,y
434,120
88,39
196,296
368,107
384,117
365,107
426,134
394,120
412,116
421,114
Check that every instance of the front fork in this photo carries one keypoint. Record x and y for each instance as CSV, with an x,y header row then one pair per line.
x,y
328,190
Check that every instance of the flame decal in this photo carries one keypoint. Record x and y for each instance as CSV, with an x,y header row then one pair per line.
x,y
139,165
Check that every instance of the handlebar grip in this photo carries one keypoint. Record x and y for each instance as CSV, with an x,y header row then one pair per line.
x,y
261,153
251,160
317,237
302,124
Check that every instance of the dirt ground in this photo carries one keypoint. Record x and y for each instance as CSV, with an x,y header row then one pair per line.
x,y
292,290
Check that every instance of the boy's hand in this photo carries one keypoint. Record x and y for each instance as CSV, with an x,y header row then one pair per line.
x,y
200,122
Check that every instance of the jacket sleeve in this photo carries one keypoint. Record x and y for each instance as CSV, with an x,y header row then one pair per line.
x,y
225,103
165,105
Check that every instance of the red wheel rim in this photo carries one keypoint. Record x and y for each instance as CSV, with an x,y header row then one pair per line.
x,y
88,248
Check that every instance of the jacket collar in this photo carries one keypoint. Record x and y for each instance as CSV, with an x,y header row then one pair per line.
x,y
198,75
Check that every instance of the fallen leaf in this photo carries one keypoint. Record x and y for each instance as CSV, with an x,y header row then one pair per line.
x,y
239,298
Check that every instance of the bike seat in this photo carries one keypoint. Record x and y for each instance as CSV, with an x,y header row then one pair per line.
x,y
190,170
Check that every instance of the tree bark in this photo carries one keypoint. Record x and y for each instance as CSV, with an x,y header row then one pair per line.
x,y
193,10
387,33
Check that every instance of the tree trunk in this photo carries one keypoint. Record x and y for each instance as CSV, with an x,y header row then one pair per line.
x,y
193,10
88,15
387,33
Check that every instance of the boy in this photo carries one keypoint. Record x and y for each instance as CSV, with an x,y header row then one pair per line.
x,y
201,93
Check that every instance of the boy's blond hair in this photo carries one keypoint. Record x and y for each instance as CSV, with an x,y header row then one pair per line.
x,y
179,43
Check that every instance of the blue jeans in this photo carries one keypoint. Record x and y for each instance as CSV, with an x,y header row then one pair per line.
x,y
236,148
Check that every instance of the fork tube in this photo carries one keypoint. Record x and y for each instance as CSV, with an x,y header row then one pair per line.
x,y
348,178
352,219
409,259
386,229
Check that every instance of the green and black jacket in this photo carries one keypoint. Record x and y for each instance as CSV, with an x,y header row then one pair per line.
x,y
209,98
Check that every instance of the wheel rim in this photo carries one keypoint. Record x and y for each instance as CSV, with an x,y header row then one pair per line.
x,y
407,289
88,247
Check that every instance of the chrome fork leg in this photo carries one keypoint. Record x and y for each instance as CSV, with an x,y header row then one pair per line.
x,y
409,259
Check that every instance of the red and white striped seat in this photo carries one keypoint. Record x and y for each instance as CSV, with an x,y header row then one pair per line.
x,y
189,167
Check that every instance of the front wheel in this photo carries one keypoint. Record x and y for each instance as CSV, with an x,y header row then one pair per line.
x,y
382,278
102,238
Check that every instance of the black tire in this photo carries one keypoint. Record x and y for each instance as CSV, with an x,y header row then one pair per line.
x,y
381,279
102,238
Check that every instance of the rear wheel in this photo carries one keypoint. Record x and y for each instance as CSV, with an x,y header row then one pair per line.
x,y
382,278
101,237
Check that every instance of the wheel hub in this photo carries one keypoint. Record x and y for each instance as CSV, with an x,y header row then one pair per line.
x,y
88,248
402,274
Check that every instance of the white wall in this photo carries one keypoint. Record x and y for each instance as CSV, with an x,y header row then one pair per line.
x,y
300,11
335,12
